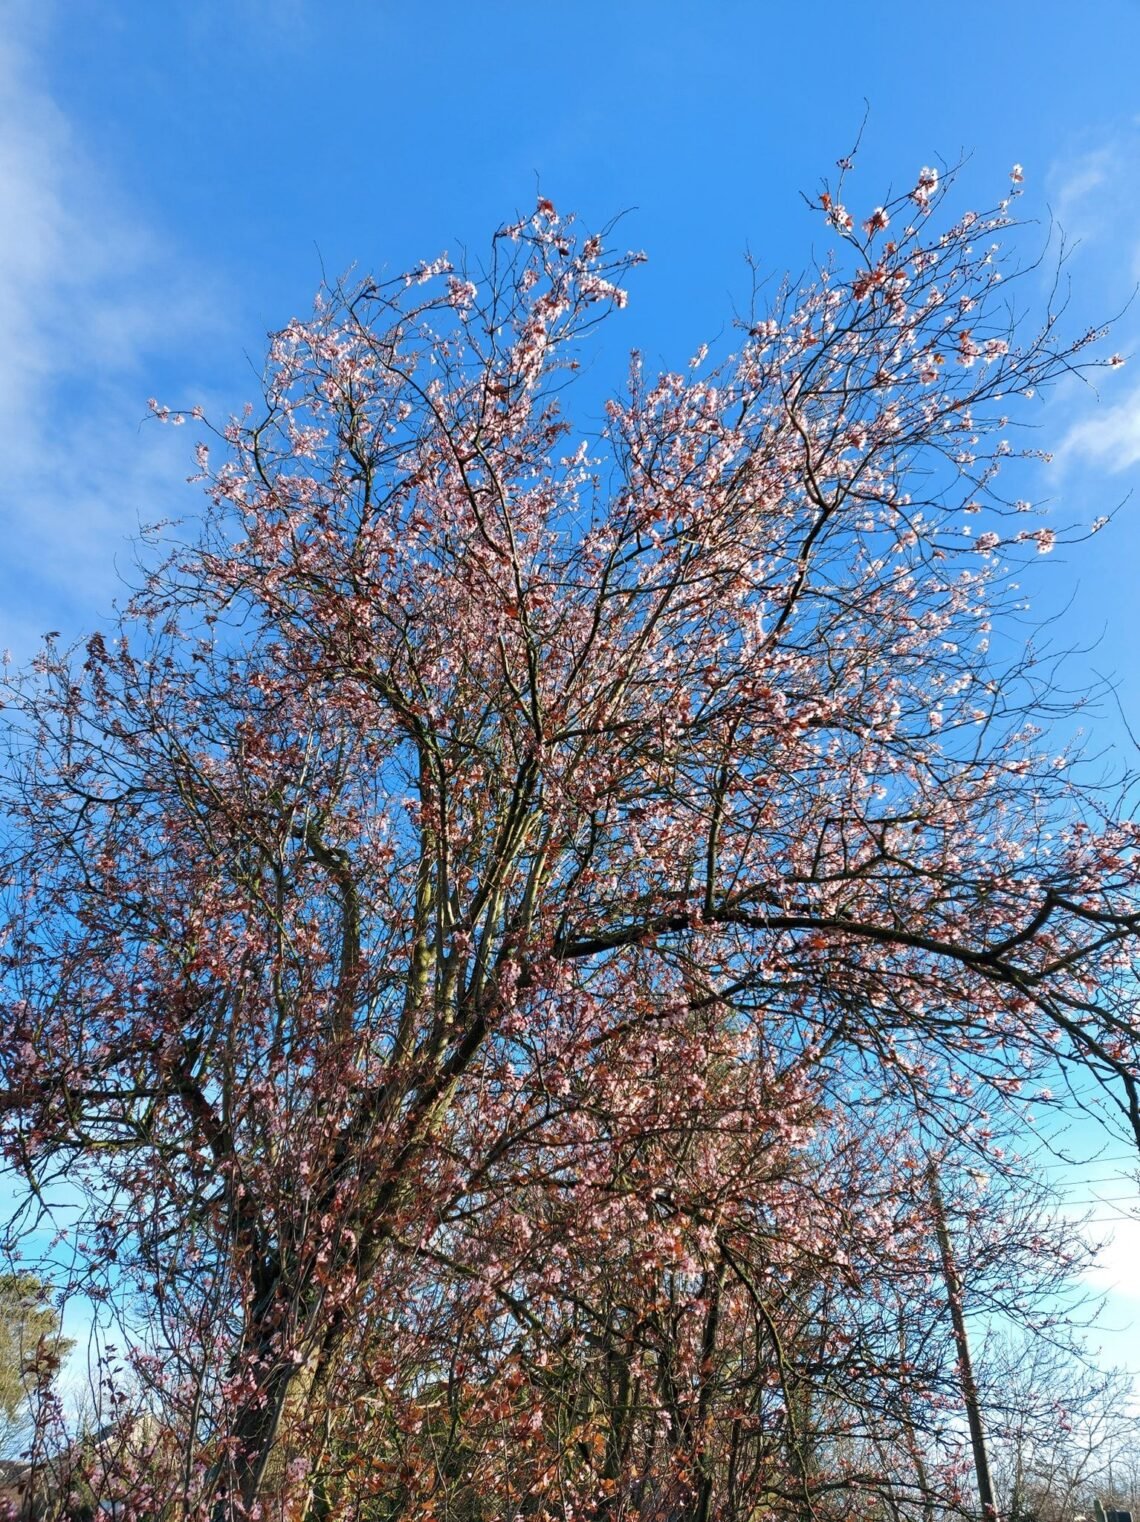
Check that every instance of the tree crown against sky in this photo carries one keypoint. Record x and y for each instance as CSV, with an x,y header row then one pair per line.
x,y
509,888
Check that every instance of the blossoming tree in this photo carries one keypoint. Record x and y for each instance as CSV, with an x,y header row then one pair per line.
x,y
459,925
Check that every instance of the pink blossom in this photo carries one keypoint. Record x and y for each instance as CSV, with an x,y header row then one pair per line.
x,y
1044,538
925,189
594,288
461,293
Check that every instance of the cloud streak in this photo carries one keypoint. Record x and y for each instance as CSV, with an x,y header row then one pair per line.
x,y
1109,438
95,311
1117,1268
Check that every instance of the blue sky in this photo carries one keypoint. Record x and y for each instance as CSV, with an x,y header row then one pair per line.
x,y
174,178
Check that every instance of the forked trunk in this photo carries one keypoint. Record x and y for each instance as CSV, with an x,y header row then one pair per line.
x,y
278,1452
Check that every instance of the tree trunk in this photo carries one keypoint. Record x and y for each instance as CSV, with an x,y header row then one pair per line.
x,y
275,1460
962,1342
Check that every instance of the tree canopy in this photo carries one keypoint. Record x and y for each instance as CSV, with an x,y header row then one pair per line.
x,y
506,924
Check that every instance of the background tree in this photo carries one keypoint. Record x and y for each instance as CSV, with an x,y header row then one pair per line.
x,y
466,913
31,1351
1062,1434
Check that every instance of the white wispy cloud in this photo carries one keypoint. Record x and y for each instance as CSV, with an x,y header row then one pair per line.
x,y
94,303
1108,437
1098,427
1073,185
1086,193
1117,1268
